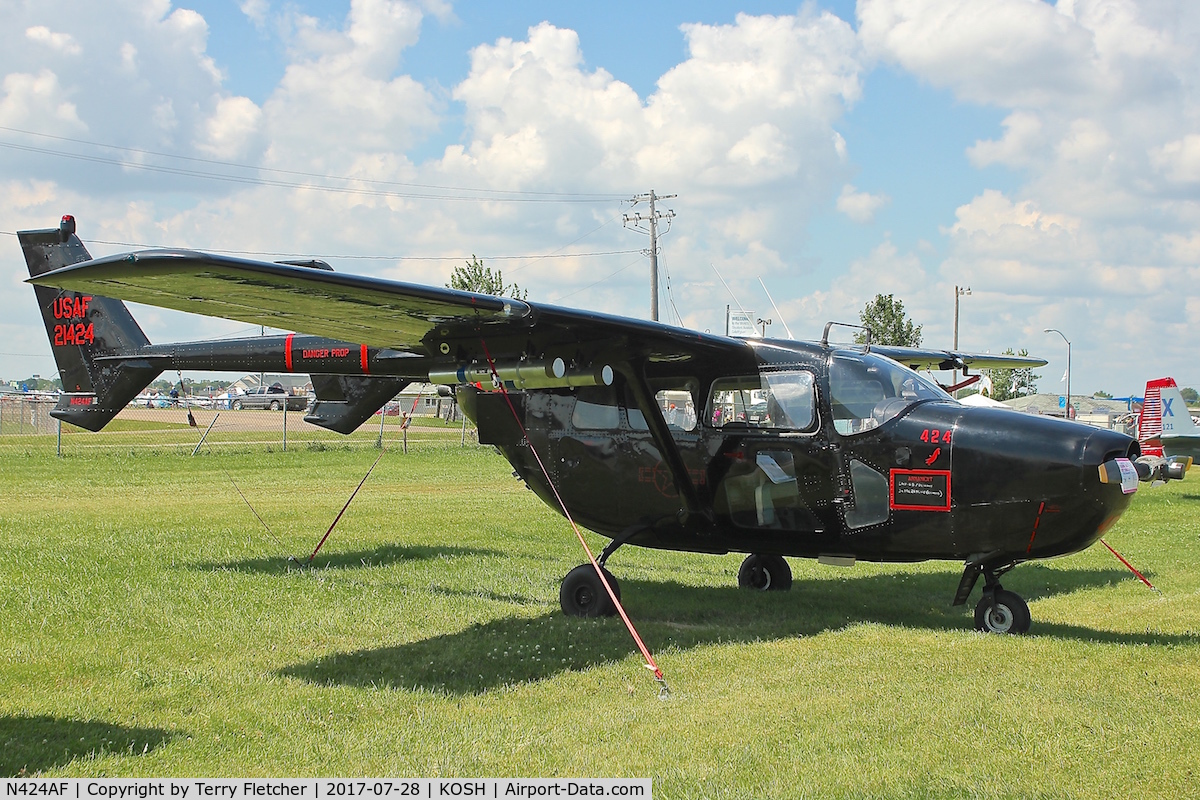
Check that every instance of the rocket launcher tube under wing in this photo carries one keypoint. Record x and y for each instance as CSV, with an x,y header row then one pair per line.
x,y
551,374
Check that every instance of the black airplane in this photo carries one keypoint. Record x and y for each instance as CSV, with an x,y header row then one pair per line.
x,y
650,435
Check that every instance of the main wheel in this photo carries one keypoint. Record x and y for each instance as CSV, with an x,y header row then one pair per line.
x,y
237,405
583,595
1002,612
765,573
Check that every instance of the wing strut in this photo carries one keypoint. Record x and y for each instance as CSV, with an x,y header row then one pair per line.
x,y
663,689
662,439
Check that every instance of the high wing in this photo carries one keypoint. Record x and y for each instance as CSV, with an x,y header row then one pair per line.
x,y
445,324
927,359
409,318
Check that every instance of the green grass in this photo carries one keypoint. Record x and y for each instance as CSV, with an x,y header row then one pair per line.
x,y
168,435
151,626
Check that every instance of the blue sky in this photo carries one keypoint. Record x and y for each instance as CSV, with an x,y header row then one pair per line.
x,y
1048,155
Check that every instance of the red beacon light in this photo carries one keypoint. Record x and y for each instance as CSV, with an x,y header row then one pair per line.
x,y
66,226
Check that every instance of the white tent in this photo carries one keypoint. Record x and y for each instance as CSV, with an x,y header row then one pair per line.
x,y
982,401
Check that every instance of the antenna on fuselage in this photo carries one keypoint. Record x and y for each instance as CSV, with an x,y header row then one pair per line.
x,y
741,309
726,285
777,312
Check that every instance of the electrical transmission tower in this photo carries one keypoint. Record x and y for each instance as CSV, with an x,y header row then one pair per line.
x,y
648,223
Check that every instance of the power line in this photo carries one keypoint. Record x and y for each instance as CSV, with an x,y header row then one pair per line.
x,y
555,253
560,298
465,193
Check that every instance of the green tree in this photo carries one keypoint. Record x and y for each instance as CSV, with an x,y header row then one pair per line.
x,y
884,317
36,383
1190,396
1102,395
475,277
1010,383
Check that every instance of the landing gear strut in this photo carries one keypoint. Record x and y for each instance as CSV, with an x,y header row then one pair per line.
x,y
999,610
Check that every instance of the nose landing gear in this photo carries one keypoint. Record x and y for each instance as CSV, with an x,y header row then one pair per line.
x,y
999,610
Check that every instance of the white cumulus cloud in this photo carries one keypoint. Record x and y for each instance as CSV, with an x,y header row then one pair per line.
x,y
62,42
860,206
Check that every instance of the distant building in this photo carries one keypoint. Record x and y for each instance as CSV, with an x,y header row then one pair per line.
x,y
428,403
1095,411
292,383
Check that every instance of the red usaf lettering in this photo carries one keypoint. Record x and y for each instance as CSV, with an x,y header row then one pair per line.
x,y
71,307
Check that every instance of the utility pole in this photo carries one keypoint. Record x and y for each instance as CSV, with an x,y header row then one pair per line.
x,y
651,226
958,292
1068,410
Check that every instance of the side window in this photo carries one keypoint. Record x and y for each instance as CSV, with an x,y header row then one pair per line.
x,y
737,400
791,401
596,409
779,400
678,409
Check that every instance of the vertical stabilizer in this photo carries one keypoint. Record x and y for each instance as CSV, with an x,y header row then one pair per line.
x,y
95,340
1175,419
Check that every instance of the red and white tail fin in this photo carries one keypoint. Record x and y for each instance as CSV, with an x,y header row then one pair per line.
x,y
1163,412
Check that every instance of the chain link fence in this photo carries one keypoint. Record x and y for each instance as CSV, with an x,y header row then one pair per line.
x,y
184,425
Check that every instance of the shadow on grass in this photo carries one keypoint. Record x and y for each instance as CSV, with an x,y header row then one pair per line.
x,y
31,745
512,651
487,594
1189,497
358,559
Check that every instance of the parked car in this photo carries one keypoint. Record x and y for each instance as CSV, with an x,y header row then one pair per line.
x,y
272,397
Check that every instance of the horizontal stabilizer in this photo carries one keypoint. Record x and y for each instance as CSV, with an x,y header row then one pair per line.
x,y
346,401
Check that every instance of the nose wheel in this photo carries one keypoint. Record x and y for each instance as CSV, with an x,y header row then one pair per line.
x,y
1001,611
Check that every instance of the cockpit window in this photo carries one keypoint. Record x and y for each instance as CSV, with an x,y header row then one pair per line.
x,y
781,400
868,390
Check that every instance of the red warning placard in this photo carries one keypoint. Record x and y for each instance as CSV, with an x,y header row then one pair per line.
x,y
920,489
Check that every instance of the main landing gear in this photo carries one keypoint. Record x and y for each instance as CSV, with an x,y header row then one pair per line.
x,y
583,595
999,610
765,573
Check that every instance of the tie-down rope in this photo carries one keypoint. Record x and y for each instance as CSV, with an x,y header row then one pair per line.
x,y
664,690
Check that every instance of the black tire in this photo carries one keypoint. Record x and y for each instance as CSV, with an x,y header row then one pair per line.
x,y
1002,612
765,573
583,595
274,405
237,405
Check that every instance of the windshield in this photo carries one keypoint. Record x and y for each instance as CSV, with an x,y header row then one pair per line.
x,y
868,390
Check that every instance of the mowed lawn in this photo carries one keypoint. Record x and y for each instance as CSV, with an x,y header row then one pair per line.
x,y
150,626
